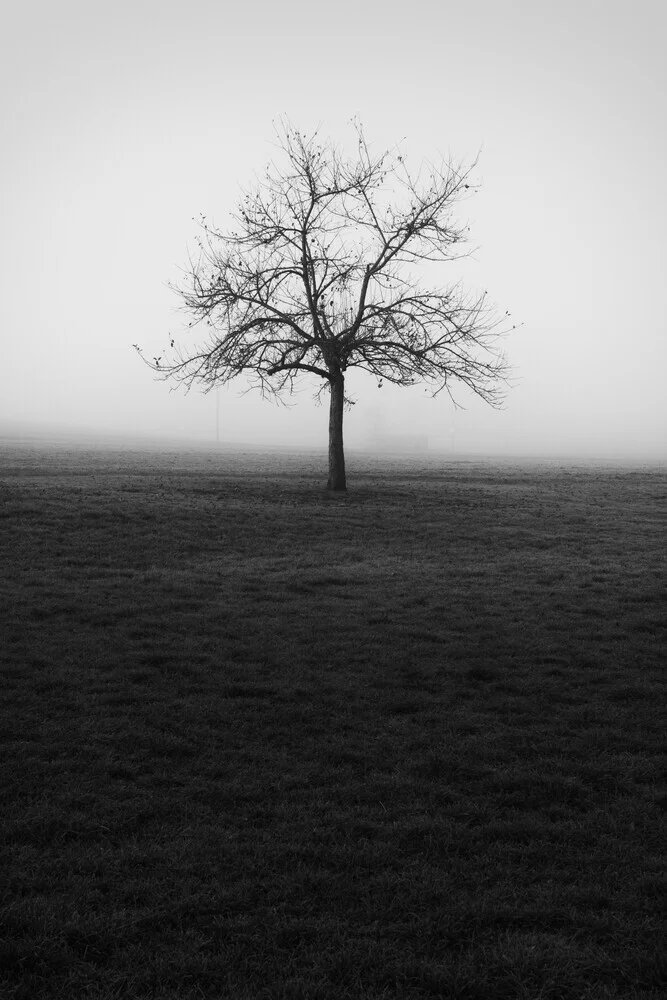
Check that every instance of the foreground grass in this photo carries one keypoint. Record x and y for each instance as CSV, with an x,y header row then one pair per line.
x,y
262,741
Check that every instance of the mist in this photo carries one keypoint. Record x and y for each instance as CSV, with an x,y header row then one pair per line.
x,y
122,126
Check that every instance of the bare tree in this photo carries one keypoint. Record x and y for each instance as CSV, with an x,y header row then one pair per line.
x,y
324,272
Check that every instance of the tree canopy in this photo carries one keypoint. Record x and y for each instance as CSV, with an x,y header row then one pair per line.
x,y
323,270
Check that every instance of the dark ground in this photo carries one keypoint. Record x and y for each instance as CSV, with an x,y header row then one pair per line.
x,y
259,740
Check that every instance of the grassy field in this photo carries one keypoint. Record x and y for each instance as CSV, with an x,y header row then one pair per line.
x,y
262,741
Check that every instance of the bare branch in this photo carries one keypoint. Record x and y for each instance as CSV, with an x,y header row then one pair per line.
x,y
317,275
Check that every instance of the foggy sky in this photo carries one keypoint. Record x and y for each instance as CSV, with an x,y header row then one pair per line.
x,y
121,123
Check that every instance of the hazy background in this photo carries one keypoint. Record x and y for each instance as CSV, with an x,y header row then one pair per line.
x,y
121,122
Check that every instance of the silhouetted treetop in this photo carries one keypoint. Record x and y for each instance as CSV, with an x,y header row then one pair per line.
x,y
323,270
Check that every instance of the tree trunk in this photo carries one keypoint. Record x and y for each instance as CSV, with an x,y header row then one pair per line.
x,y
336,454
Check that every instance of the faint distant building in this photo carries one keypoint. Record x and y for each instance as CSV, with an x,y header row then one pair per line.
x,y
387,429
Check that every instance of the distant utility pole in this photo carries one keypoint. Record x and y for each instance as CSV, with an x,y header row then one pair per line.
x,y
217,416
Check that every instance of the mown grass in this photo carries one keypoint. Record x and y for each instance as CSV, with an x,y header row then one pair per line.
x,y
263,741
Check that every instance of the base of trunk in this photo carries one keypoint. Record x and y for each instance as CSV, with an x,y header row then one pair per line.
x,y
336,454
